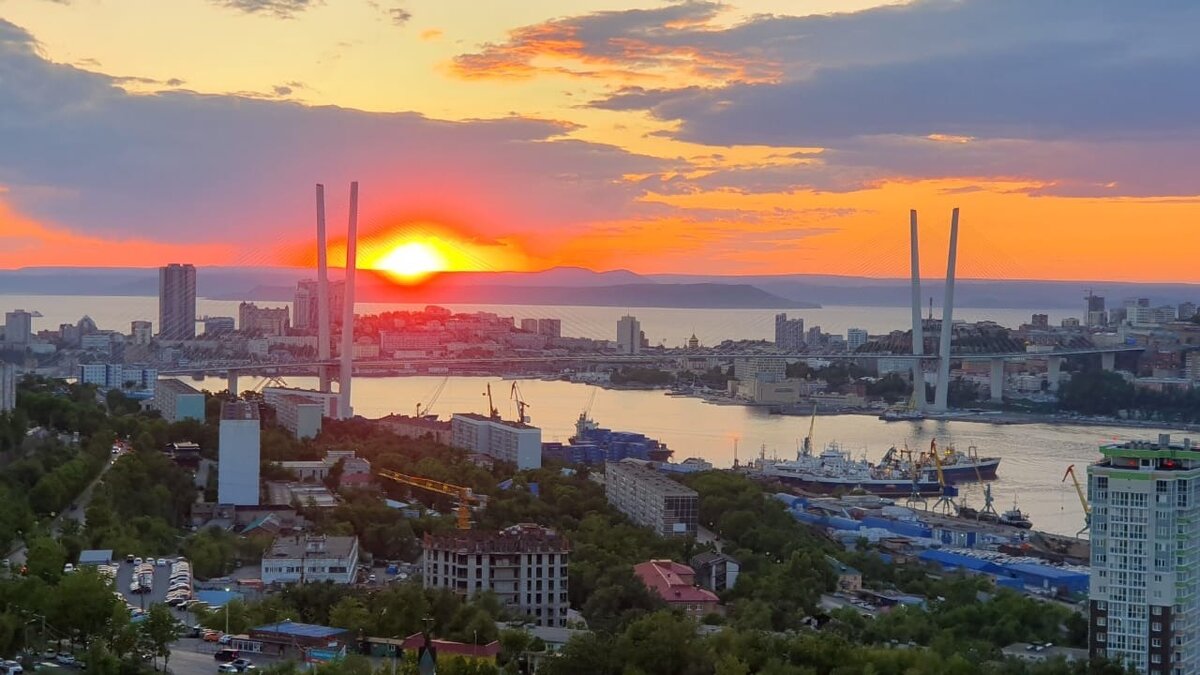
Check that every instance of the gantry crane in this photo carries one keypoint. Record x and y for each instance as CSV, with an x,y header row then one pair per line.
x,y
1087,510
437,392
945,500
806,449
466,496
492,412
515,394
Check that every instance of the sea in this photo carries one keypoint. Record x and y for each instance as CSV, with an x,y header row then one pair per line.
x,y
1034,456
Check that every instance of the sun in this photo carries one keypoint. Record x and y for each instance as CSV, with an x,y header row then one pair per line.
x,y
413,261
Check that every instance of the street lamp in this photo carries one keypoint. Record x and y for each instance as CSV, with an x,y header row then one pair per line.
x,y
227,611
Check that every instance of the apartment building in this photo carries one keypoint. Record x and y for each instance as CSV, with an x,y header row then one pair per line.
x,y
514,442
525,566
651,499
238,453
310,558
1145,533
177,401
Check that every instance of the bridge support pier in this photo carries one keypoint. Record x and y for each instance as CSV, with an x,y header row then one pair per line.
x,y
1053,371
1108,361
232,383
323,377
996,381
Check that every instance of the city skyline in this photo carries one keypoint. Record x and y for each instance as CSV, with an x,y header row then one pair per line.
x,y
678,137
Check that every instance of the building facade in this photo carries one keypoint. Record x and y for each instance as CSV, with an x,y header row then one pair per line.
x,y
177,302
1145,534
549,327
300,416
219,325
140,332
177,401
855,338
525,566
651,499
789,333
310,558
128,377
304,303
238,454
675,584
265,321
629,335
18,327
8,387
418,427
514,442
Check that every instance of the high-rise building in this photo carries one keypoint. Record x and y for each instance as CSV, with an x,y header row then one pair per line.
x,y
524,566
1041,321
1094,315
177,401
265,321
789,333
8,387
140,332
1145,541
855,338
177,302
549,327
128,377
651,499
18,327
629,335
507,441
219,325
1187,311
529,325
238,454
814,337
304,304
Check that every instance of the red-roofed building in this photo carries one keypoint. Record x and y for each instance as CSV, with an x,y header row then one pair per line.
x,y
446,648
675,583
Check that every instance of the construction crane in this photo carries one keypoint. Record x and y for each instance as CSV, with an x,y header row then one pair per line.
x,y
466,496
1087,510
915,497
945,501
515,394
492,412
806,450
437,392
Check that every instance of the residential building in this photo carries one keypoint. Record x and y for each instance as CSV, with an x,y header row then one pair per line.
x,y
265,321
18,327
219,325
789,333
418,427
1186,311
855,338
1095,314
1040,321
140,332
238,454
769,370
1192,367
549,327
310,558
629,335
130,377
177,401
675,584
715,571
177,302
529,325
304,305
507,441
651,499
8,387
525,566
355,469
301,416
1145,544
327,400
308,495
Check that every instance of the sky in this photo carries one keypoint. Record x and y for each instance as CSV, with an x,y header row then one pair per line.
x,y
684,136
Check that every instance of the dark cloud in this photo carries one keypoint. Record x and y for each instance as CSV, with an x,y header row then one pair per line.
x,y
177,165
399,15
283,9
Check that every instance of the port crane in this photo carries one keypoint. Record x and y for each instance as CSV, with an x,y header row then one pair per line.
x,y
423,409
945,500
492,412
515,394
1087,510
807,449
465,495
915,497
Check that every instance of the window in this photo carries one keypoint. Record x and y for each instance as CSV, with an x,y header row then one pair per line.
x,y
1156,611
1156,627
1101,621
1155,642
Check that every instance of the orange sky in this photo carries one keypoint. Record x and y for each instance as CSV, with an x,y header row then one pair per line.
x,y
675,137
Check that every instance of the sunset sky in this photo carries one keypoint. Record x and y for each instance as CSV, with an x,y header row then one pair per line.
x,y
740,137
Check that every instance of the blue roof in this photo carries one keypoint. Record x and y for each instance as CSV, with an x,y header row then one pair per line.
x,y
1045,571
301,629
946,558
95,557
217,599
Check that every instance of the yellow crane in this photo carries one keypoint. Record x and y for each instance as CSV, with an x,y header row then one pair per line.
x,y
466,496
945,500
1087,510
807,449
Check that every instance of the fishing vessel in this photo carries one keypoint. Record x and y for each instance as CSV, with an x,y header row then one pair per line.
x,y
834,471
957,466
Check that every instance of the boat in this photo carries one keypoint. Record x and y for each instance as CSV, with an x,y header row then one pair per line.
x,y
957,466
892,415
834,471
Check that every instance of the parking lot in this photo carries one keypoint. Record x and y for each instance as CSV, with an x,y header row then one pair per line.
x,y
158,592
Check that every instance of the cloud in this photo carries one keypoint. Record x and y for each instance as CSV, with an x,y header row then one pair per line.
x,y
283,9
399,15
177,166
432,34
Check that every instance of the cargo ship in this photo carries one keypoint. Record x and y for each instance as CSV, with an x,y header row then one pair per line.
x,y
834,471
957,467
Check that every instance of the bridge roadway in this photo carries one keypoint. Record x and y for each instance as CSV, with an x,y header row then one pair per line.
x,y
640,358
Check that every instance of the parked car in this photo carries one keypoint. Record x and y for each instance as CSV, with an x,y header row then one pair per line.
x,y
227,668
226,655
211,636
242,665
225,639
64,659
10,668
68,568
136,561
130,559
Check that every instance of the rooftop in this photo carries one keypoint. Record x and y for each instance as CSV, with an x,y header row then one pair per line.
x,y
488,651
302,546
672,581
95,557
176,386
475,417
522,538
239,410
307,630
647,475
422,422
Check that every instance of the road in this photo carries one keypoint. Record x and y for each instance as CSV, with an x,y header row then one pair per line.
x,y
77,513
191,656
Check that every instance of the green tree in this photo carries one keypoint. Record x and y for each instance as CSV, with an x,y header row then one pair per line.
x,y
81,603
161,629
351,614
46,558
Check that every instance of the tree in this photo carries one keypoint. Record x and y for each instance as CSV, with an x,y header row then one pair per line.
x,y
45,558
161,629
82,602
351,614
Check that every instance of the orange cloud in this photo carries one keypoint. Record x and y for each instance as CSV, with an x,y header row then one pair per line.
x,y
25,242
432,34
